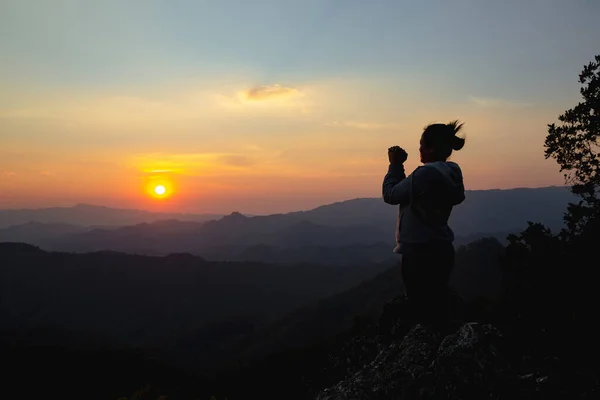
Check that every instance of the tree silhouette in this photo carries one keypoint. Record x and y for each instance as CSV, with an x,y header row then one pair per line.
x,y
574,145
550,282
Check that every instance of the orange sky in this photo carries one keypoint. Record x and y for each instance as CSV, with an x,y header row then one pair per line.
x,y
293,148
96,104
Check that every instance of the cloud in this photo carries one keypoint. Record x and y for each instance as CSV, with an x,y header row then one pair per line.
x,y
262,93
191,163
236,160
8,174
367,126
491,102
45,173
269,98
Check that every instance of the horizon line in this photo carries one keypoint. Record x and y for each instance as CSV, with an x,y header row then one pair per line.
x,y
253,214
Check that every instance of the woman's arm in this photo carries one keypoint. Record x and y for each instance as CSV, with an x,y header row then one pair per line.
x,y
396,186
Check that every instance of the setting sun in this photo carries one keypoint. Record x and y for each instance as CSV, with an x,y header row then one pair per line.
x,y
159,187
160,190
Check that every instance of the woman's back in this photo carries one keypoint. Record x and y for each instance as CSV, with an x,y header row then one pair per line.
x,y
433,200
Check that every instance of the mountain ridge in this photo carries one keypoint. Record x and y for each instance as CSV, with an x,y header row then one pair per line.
x,y
337,233
90,215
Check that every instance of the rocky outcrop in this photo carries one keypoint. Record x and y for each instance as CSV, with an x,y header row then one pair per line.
x,y
467,364
392,372
471,363
475,361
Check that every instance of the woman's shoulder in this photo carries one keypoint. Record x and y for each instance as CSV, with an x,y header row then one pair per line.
x,y
440,171
442,166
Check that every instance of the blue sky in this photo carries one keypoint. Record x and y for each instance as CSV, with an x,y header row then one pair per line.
x,y
370,72
480,44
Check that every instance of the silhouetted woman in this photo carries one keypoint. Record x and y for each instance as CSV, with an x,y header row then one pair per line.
x,y
426,198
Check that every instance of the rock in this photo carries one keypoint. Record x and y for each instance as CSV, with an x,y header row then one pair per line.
x,y
394,371
475,361
470,364
351,357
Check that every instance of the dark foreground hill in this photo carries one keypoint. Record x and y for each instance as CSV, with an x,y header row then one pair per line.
x,y
129,301
181,320
477,275
353,345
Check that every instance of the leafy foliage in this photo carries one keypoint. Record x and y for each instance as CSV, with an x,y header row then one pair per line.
x,y
549,277
574,145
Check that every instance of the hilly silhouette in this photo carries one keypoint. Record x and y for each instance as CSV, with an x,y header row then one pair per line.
x,y
201,317
38,232
238,329
152,302
349,232
477,277
91,215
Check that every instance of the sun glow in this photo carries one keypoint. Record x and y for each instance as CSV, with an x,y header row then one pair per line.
x,y
160,190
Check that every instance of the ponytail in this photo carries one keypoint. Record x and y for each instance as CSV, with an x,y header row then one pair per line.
x,y
456,142
443,138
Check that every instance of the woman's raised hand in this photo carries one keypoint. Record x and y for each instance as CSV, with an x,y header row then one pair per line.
x,y
397,155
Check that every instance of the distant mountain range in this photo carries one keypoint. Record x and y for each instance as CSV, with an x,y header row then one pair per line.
x,y
354,231
89,215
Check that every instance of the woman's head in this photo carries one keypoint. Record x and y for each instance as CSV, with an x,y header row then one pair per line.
x,y
439,140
